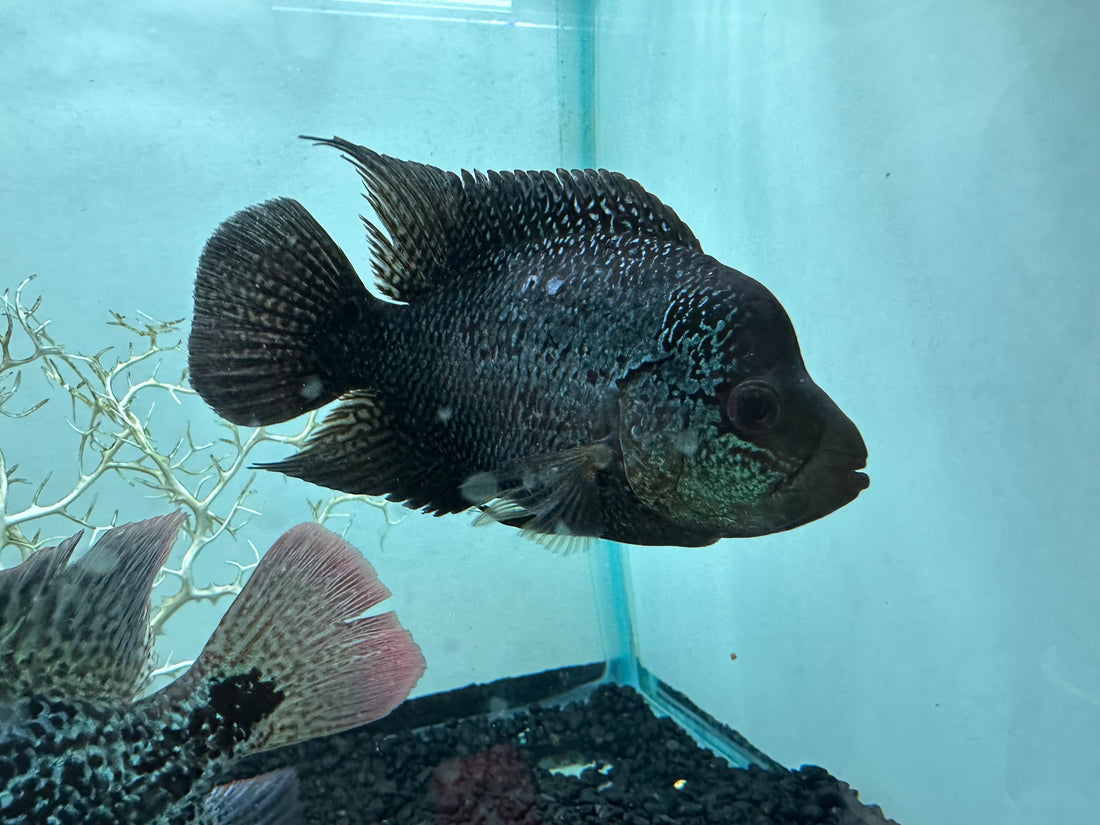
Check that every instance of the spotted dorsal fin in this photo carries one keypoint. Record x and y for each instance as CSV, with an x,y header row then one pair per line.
x,y
438,224
81,630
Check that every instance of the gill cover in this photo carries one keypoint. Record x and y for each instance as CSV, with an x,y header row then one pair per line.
x,y
765,455
686,464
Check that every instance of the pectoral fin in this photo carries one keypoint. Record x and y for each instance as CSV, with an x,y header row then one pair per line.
x,y
554,497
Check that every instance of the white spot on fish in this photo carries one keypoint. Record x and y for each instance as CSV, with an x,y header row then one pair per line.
x,y
444,414
312,388
686,442
102,563
480,487
532,280
553,285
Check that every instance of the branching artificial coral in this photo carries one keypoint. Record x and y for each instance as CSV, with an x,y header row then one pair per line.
x,y
112,395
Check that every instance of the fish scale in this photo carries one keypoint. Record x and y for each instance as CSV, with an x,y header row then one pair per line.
x,y
81,762
504,347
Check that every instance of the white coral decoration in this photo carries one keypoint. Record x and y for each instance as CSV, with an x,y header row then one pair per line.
x,y
112,395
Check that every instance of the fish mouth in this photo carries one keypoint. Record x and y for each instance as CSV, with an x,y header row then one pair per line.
x,y
828,469
831,475
849,466
827,481
839,471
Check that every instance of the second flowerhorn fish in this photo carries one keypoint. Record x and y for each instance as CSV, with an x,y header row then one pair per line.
x,y
564,357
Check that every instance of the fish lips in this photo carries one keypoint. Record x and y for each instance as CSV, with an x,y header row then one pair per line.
x,y
827,482
836,475
832,476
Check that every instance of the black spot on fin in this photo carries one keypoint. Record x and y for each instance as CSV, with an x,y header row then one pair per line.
x,y
556,498
272,292
294,657
440,223
267,799
361,449
81,630
245,699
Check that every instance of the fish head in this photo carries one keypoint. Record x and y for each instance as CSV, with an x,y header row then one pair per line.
x,y
726,434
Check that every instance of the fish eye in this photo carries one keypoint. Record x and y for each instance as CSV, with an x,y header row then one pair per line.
x,y
753,407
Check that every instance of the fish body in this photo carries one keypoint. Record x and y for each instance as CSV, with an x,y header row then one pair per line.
x,y
564,356
76,747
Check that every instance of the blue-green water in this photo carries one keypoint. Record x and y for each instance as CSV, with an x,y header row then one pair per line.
x,y
919,184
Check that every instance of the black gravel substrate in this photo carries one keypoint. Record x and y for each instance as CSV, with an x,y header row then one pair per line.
x,y
499,769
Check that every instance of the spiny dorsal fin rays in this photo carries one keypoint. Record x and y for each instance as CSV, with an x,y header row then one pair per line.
x,y
415,204
440,224
82,630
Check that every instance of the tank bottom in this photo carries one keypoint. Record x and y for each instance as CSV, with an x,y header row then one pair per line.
x,y
554,748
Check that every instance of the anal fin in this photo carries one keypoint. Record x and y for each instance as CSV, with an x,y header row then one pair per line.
x,y
362,449
267,799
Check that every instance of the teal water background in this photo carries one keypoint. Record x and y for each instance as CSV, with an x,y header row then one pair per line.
x,y
918,183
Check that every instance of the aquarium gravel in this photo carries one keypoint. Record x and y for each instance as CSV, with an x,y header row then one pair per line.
x,y
606,759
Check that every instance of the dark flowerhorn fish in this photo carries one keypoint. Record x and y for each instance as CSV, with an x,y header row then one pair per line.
x,y
291,660
565,358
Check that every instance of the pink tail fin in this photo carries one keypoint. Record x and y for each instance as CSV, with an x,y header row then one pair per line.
x,y
296,635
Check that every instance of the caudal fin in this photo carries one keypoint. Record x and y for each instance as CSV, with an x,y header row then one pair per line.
x,y
293,658
271,290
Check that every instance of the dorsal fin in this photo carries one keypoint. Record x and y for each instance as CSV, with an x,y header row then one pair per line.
x,y
439,223
81,630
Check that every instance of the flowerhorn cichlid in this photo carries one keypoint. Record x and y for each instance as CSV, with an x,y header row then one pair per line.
x,y
292,659
564,357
